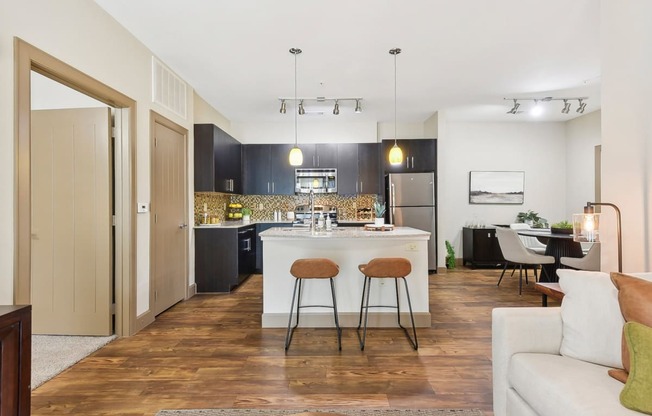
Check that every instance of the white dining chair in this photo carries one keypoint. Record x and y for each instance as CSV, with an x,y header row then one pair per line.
x,y
530,242
590,262
515,252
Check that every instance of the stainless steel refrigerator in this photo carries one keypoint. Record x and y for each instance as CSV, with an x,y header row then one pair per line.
x,y
411,202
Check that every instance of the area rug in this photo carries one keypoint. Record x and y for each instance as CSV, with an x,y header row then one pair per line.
x,y
348,412
51,354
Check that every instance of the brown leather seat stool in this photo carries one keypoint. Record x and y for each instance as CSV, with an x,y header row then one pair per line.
x,y
385,268
312,269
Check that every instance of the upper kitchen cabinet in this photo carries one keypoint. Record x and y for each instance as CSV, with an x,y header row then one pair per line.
x,y
218,160
322,155
419,155
357,168
267,169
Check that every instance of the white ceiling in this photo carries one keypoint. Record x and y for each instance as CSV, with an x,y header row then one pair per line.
x,y
462,56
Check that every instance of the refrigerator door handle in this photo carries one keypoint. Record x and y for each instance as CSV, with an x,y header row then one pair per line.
x,y
392,202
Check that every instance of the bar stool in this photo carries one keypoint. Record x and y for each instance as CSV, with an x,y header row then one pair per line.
x,y
316,268
384,268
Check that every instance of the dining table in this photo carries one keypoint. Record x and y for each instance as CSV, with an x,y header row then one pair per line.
x,y
558,245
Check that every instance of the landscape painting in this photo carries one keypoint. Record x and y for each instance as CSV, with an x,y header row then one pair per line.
x,y
500,187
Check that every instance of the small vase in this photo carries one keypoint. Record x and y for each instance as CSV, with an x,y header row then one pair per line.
x,y
379,222
246,219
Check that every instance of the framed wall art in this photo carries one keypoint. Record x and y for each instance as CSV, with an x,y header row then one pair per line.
x,y
496,187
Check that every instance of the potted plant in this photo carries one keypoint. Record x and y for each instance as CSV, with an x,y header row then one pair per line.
x,y
246,215
562,227
379,211
532,219
450,255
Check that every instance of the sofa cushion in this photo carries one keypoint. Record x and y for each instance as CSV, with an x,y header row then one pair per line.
x,y
592,322
635,300
637,394
558,385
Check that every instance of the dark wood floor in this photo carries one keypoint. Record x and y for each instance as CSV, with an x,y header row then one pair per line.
x,y
210,352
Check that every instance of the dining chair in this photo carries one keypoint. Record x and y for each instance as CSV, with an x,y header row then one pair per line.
x,y
515,252
590,262
530,242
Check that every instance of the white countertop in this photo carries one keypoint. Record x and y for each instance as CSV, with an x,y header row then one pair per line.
x,y
344,232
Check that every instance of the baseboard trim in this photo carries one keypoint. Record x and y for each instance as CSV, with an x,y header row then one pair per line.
x,y
192,291
142,321
347,320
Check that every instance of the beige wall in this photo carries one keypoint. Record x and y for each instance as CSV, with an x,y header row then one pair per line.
x,y
627,131
81,34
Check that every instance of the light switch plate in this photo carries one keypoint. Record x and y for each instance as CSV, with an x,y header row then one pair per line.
x,y
143,207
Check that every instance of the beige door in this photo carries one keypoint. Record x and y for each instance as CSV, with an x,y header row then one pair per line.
x,y
169,219
71,245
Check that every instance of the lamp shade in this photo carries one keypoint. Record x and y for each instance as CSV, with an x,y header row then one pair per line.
x,y
395,155
586,228
296,156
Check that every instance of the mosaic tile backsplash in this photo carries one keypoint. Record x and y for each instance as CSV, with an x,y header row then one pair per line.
x,y
216,204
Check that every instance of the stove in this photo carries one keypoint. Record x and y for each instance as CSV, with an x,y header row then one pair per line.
x,y
302,214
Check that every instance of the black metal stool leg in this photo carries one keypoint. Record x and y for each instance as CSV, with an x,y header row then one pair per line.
x,y
398,303
366,315
364,289
290,332
415,342
337,322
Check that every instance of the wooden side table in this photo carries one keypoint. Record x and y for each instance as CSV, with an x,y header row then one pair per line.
x,y
549,289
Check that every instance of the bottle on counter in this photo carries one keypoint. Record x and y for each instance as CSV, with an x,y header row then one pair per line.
x,y
329,224
320,222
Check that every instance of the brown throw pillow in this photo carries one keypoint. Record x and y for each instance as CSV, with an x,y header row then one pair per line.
x,y
635,300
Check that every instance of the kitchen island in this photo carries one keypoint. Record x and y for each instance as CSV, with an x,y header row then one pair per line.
x,y
348,247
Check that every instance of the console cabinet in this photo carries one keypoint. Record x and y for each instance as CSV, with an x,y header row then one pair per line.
x,y
480,247
15,360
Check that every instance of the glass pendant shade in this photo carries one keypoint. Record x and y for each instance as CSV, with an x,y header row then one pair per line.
x,y
586,227
395,155
296,156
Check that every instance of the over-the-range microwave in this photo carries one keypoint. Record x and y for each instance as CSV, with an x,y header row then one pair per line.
x,y
319,180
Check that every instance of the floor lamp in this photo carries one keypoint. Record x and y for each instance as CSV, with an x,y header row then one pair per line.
x,y
586,227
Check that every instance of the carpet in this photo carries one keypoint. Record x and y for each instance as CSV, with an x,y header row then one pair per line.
x,y
52,354
345,411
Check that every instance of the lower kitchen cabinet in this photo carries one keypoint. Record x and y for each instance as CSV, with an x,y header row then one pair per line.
x,y
224,257
480,247
260,227
15,360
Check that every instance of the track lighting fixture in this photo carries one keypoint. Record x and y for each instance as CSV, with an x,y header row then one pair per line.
x,y
538,108
308,102
514,109
566,108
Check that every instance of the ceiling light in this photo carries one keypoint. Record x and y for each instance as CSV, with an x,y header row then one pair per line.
x,y
336,109
582,106
283,109
514,109
302,111
537,110
566,108
395,153
296,156
358,109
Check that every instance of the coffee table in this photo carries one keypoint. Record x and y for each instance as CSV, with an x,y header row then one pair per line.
x,y
548,289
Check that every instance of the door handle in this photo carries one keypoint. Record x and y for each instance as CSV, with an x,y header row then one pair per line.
x,y
247,246
393,202
182,226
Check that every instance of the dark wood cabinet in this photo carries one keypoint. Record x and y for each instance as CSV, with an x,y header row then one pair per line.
x,y
267,169
217,159
224,257
358,168
15,360
320,155
480,247
419,155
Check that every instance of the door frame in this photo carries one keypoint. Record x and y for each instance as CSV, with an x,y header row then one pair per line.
x,y
28,58
155,118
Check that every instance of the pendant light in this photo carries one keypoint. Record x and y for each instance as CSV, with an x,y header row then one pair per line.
x,y
296,156
395,154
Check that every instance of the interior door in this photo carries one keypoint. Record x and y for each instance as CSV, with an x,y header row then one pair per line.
x,y
71,244
169,225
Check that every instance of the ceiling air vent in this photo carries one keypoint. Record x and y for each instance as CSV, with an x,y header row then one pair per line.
x,y
168,89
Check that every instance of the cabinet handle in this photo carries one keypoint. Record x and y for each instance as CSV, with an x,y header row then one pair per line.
x,y
407,163
360,186
313,160
412,162
267,187
317,160
273,190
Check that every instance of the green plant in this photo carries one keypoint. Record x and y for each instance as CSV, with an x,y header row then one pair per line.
x,y
532,218
379,209
246,211
450,255
562,224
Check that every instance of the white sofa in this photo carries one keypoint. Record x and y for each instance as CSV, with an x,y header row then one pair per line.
x,y
554,361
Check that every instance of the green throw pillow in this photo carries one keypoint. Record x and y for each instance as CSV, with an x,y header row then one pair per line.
x,y
637,394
